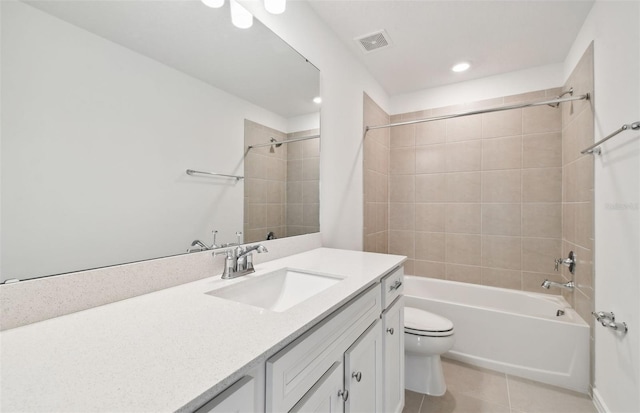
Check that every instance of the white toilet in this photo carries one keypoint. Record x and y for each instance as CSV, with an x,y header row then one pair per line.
x,y
426,337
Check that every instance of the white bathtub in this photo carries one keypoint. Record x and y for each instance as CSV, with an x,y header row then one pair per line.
x,y
510,331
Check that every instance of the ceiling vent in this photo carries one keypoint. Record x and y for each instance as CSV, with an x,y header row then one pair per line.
x,y
374,41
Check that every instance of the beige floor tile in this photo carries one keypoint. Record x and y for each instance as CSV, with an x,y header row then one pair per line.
x,y
476,382
412,402
453,402
532,397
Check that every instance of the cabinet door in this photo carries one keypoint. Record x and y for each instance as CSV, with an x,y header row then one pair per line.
x,y
238,398
325,395
393,356
363,372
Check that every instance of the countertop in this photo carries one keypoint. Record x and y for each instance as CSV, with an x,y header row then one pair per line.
x,y
170,350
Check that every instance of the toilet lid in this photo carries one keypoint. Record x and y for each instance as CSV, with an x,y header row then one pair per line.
x,y
417,321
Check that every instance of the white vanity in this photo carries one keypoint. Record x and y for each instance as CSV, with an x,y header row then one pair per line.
x,y
208,346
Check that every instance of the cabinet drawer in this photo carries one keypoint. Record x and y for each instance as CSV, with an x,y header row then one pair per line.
x,y
392,286
296,368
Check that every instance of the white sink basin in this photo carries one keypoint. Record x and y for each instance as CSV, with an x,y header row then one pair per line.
x,y
278,290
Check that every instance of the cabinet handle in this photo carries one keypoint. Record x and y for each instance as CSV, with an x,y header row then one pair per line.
x,y
344,394
390,330
357,375
395,285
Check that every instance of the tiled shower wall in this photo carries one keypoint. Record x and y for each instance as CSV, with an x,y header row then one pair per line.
x,y
577,193
281,184
376,179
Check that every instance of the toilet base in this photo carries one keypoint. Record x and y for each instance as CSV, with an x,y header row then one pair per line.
x,y
423,374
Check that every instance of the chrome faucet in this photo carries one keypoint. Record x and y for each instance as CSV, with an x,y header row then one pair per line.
x,y
569,285
239,260
202,245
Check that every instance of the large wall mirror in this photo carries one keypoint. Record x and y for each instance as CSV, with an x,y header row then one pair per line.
x,y
106,104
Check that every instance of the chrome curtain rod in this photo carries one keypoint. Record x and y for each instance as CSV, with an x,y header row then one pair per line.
x,y
192,172
552,102
280,143
594,148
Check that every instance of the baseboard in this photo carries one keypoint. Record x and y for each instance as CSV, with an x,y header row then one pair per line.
x,y
600,405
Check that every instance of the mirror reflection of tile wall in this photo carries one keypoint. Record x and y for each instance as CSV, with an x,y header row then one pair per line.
x,y
281,184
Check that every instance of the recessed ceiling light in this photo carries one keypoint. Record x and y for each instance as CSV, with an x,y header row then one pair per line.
x,y
461,67
317,100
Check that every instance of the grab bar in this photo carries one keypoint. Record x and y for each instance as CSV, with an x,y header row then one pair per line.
x,y
193,172
594,148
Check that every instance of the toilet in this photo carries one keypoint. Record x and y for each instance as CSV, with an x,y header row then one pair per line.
x,y
426,337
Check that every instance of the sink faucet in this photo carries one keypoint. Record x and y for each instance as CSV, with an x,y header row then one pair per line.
x,y
202,245
239,260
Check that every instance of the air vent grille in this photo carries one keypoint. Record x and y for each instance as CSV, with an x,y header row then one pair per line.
x,y
374,41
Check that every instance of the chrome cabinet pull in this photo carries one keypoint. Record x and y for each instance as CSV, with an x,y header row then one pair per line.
x,y
390,330
395,285
344,394
357,375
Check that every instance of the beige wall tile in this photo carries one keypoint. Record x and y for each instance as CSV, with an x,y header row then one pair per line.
x,y
464,128
382,242
311,148
539,119
370,222
497,124
463,187
431,159
256,215
402,216
276,192
382,216
311,169
584,180
502,153
294,170
431,132
464,273
403,136
430,269
402,188
569,222
369,243
402,243
463,249
255,191
496,277
542,220
501,186
430,246
501,252
431,217
310,192
542,185
463,156
402,161
255,166
539,254
294,214
542,150
311,215
463,218
294,150
431,188
584,224
585,130
294,192
275,215
501,219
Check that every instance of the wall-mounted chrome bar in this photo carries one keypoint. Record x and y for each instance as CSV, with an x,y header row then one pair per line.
x,y
595,147
274,142
192,172
608,319
554,102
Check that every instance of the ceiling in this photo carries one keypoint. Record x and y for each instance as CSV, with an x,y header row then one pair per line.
x,y
429,37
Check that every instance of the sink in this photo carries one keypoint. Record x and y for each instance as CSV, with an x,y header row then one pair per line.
x,y
278,290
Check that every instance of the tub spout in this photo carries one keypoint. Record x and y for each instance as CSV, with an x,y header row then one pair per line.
x,y
547,284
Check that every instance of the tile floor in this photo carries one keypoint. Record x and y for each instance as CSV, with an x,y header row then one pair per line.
x,y
475,390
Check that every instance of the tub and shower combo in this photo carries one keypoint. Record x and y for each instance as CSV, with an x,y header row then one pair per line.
x,y
535,336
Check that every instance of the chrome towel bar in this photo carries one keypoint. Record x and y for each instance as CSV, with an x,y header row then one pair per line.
x,y
193,172
594,148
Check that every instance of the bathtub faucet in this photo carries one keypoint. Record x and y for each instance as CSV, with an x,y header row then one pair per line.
x,y
569,285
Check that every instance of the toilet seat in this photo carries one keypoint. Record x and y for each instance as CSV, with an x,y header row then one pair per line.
x,y
423,323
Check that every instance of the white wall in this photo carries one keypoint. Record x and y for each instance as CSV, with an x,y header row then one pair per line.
x,y
81,113
613,27
343,80
505,84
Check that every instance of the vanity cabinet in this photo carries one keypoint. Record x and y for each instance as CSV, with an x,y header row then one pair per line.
x,y
393,356
237,398
363,372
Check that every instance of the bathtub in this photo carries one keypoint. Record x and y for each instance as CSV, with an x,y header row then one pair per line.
x,y
514,332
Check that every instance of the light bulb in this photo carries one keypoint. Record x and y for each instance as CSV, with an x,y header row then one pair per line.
x,y
275,6
461,67
240,17
216,4
317,100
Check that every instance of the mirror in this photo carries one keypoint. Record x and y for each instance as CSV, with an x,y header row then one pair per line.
x,y
106,104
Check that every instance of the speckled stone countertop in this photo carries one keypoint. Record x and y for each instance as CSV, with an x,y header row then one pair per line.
x,y
171,350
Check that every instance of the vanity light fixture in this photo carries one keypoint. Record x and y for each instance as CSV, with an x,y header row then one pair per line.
x,y
216,4
240,17
275,6
317,100
461,67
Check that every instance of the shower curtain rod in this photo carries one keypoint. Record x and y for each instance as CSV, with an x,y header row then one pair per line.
x,y
552,102
280,143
